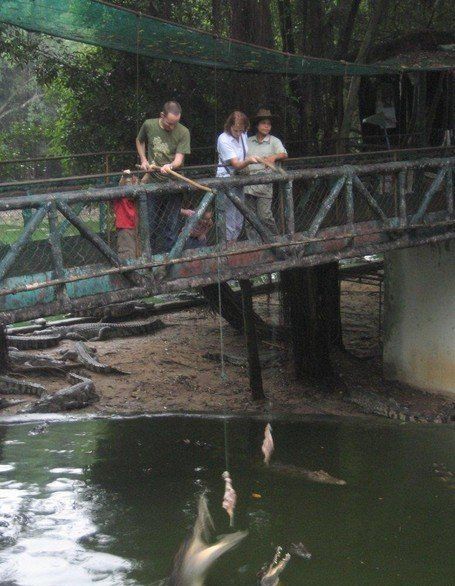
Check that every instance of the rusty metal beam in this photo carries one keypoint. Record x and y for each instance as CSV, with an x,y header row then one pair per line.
x,y
260,262
301,245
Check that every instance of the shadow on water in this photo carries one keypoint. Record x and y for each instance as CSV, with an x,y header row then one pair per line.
x,y
110,501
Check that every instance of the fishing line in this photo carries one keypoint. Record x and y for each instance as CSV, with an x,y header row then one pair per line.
x,y
226,444
223,374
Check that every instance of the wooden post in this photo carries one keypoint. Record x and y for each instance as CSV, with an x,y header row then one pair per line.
x,y
4,362
449,191
330,300
303,313
56,249
17,247
402,198
254,364
286,189
144,227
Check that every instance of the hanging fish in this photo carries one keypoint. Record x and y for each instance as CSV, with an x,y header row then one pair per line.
x,y
229,498
267,445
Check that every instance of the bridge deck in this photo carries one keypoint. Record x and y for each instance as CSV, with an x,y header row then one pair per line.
x,y
57,250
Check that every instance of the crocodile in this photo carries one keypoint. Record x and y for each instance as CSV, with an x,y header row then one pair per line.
x,y
105,331
300,550
18,357
12,386
81,394
313,475
270,575
87,358
196,556
34,342
5,403
267,359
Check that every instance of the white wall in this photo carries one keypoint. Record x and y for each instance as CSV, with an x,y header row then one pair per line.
x,y
419,337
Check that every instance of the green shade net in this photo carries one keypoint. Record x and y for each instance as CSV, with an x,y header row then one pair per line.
x,y
105,25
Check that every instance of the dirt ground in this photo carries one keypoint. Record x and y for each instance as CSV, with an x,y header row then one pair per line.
x,y
169,373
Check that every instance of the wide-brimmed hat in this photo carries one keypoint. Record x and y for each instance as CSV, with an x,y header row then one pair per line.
x,y
262,114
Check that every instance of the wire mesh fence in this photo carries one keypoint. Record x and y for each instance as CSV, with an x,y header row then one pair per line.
x,y
46,237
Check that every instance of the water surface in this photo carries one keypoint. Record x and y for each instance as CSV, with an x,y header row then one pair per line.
x,y
109,501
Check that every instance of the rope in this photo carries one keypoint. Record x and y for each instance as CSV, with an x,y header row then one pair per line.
x,y
223,373
226,445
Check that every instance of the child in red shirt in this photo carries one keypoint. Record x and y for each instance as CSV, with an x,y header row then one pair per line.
x,y
126,220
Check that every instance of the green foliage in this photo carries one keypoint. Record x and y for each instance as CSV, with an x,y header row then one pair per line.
x,y
65,97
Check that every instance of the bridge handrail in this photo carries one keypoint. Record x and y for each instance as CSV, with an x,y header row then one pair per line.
x,y
171,186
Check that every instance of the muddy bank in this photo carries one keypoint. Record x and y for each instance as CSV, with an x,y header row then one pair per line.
x,y
176,369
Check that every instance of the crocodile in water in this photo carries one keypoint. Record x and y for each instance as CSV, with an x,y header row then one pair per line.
x,y
313,475
87,358
105,331
270,575
12,386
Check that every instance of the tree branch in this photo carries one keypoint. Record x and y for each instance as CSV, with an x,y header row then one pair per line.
x,y
21,106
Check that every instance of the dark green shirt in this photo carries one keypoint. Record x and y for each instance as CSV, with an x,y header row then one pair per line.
x,y
163,145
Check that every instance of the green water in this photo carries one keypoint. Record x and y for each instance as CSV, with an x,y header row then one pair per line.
x,y
109,501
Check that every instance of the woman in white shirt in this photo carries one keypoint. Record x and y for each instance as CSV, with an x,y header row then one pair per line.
x,y
233,157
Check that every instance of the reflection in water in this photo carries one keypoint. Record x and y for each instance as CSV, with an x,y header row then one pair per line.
x,y
111,501
45,517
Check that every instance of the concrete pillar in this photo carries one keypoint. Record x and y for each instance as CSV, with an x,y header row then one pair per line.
x,y
419,337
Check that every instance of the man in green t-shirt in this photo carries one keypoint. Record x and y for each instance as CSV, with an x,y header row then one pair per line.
x,y
168,142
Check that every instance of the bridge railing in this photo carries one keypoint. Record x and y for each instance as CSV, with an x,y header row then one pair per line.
x,y
58,250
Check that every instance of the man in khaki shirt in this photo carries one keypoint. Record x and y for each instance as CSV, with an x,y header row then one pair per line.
x,y
258,198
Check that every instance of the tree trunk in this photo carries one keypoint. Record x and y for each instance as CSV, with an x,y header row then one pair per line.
x,y
216,16
304,316
286,26
350,9
330,296
380,7
251,22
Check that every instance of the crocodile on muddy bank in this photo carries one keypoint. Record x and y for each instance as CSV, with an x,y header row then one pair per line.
x,y
77,396
87,358
104,331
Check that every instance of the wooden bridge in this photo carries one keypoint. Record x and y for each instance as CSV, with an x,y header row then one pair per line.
x,y
57,253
